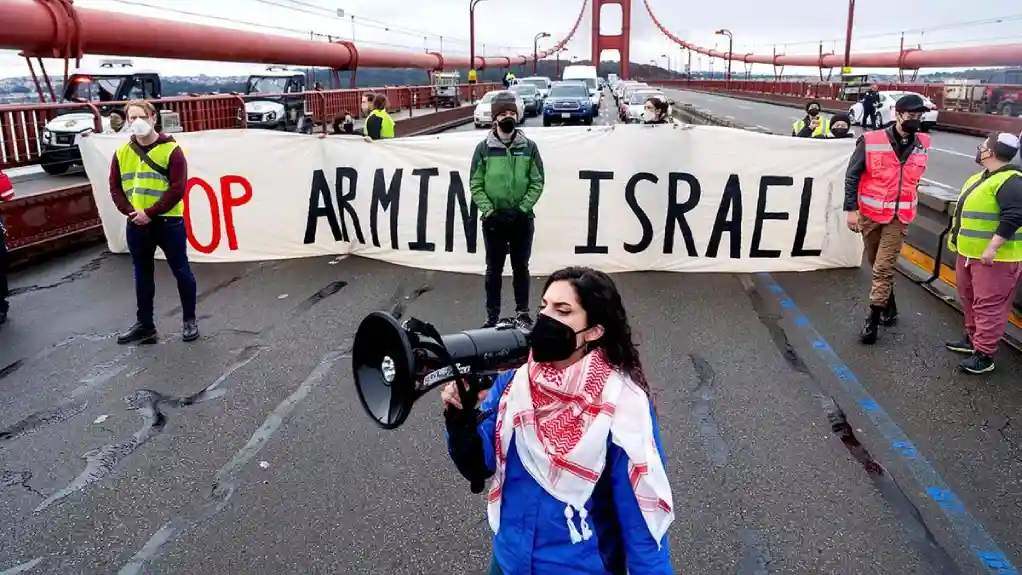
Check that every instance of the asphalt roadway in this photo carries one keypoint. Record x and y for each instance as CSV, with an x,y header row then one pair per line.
x,y
951,161
248,452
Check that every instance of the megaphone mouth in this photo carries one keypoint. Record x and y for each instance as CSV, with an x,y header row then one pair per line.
x,y
382,361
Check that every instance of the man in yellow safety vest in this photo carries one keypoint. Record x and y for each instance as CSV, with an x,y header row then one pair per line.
x,y
812,125
148,180
985,235
472,76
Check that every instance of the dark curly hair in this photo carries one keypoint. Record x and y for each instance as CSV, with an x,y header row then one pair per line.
x,y
602,302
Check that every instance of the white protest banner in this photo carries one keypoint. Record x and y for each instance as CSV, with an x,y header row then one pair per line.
x,y
621,198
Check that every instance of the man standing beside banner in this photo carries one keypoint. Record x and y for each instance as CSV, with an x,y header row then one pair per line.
x,y
506,179
985,236
148,180
881,193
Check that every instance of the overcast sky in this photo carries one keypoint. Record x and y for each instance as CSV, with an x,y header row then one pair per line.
x,y
795,26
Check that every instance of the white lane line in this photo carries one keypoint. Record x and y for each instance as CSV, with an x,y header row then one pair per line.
x,y
952,152
763,128
939,184
744,107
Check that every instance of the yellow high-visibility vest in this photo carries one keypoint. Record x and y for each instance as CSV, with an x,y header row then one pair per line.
x,y
822,128
976,217
387,128
143,185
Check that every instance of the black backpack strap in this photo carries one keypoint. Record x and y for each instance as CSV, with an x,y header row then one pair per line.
x,y
149,161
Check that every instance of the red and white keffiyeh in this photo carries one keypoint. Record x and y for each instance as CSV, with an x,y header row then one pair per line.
x,y
561,421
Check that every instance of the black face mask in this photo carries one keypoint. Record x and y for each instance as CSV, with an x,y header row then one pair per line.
x,y
551,340
911,126
839,132
506,125
813,111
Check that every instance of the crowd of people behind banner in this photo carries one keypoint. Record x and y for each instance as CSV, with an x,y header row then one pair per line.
x,y
563,436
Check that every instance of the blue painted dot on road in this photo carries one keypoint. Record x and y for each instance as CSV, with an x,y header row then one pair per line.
x,y
997,563
906,448
843,372
801,320
787,303
945,499
820,344
869,404
775,288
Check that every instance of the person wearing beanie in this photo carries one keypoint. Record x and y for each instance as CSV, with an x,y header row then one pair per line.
x,y
506,178
840,126
985,235
812,125
881,193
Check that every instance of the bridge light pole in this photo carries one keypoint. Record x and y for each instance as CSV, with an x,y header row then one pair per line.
x,y
668,58
848,36
535,50
472,34
557,74
730,47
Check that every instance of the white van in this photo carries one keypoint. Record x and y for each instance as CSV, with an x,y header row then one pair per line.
x,y
588,75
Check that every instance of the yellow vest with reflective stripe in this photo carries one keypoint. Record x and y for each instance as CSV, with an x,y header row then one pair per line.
x,y
823,128
144,186
387,126
976,218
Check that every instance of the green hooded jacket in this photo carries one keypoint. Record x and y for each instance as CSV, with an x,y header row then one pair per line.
x,y
506,176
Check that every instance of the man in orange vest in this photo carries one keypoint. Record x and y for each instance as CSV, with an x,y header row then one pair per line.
x,y
881,192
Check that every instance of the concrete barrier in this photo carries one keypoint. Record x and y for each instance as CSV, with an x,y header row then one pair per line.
x,y
924,258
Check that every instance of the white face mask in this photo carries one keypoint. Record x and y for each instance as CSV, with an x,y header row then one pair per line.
x,y
648,116
141,128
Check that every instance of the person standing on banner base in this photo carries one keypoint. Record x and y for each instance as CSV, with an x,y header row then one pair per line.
x,y
148,180
572,442
812,125
506,179
881,196
985,235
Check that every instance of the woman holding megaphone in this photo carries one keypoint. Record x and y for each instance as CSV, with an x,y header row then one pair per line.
x,y
572,443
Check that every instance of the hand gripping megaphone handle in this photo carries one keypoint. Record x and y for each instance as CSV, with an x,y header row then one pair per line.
x,y
468,394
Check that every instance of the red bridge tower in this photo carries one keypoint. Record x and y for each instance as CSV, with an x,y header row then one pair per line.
x,y
617,42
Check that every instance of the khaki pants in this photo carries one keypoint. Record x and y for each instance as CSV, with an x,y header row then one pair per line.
x,y
883,246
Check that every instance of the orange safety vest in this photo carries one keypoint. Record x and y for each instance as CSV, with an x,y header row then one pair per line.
x,y
888,187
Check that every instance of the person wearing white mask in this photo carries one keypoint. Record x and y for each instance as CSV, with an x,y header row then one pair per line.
x,y
655,111
148,180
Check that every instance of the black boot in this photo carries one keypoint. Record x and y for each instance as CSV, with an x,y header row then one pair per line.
x,y
871,330
523,321
890,315
138,334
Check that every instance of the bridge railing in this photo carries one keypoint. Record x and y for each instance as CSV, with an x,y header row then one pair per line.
x,y
22,126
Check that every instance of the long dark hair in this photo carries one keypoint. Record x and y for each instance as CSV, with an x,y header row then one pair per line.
x,y
659,105
603,306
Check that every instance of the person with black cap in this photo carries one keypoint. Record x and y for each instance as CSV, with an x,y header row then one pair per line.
x,y
870,100
506,178
812,125
985,235
881,193
840,127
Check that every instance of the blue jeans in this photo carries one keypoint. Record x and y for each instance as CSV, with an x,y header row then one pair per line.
x,y
169,235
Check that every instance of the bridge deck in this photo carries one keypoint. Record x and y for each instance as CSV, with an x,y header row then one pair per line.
x,y
270,465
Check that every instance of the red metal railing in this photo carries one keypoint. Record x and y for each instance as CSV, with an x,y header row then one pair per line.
x,y
22,126
962,107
